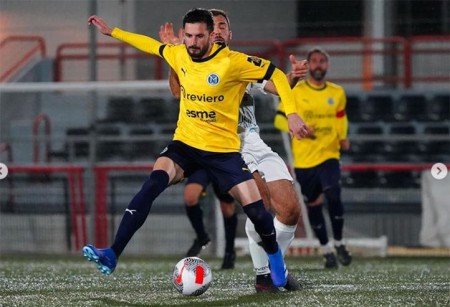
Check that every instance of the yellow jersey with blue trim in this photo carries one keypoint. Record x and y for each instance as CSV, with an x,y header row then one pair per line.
x,y
211,90
323,109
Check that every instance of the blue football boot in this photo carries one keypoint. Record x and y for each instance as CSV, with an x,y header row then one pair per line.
x,y
105,258
277,269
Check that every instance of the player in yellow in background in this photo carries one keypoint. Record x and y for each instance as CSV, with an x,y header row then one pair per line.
x,y
321,104
213,80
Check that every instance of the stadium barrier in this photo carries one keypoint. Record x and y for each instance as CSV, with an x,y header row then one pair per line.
x,y
74,175
374,210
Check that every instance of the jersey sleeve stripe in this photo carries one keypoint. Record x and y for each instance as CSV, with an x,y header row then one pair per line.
x,y
281,113
269,73
161,50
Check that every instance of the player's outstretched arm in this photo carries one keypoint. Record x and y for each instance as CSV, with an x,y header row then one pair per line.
x,y
141,42
297,127
167,36
299,70
100,24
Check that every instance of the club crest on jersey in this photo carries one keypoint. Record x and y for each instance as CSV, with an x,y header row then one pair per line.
x,y
330,101
213,79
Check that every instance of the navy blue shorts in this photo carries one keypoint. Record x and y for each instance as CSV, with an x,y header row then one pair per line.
x,y
201,177
315,180
224,169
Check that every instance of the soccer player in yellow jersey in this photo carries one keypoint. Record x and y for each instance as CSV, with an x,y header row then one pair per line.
x,y
316,158
213,80
276,188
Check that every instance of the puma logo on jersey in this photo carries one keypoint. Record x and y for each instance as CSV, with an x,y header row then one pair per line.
x,y
184,71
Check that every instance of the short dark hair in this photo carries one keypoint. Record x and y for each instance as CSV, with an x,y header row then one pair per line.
x,y
317,50
199,15
218,12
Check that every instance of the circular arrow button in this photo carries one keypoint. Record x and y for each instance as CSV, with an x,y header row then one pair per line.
x,y
439,171
3,171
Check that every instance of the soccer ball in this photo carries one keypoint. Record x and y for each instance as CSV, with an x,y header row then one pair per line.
x,y
192,276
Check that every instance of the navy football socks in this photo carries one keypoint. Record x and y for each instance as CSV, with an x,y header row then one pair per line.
x,y
138,209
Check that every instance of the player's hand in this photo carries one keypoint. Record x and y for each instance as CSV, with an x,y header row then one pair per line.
x,y
297,127
167,35
101,25
299,68
345,144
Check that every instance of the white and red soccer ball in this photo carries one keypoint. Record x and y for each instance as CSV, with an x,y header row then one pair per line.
x,y
192,276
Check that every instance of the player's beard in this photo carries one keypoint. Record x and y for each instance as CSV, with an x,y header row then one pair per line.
x,y
197,52
318,74
221,40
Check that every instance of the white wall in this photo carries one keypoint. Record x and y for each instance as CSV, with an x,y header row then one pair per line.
x,y
65,21
62,21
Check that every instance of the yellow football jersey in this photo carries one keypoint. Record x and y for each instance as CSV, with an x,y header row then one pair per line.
x,y
323,109
211,90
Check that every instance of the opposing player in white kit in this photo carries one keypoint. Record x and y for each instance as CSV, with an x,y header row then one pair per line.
x,y
274,181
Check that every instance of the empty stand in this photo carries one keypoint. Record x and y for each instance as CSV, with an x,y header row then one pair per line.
x,y
411,107
437,151
377,108
355,179
399,150
151,110
77,143
437,130
142,145
109,145
119,109
439,108
353,108
400,180
367,150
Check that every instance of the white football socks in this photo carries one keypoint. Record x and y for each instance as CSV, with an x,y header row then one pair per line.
x,y
259,256
285,235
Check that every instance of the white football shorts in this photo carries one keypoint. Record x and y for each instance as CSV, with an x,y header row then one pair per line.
x,y
260,157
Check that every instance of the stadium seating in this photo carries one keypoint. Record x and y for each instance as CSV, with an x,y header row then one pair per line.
x,y
400,180
107,148
411,107
150,110
119,109
399,150
377,108
439,108
77,143
353,108
141,145
356,179
437,130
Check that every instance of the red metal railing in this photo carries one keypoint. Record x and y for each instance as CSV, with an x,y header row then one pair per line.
x,y
362,51
76,196
40,48
105,51
102,180
101,207
363,47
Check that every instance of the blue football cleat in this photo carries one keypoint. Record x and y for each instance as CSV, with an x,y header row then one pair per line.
x,y
105,258
277,269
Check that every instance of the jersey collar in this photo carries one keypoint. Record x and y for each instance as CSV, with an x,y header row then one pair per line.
x,y
315,87
217,47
